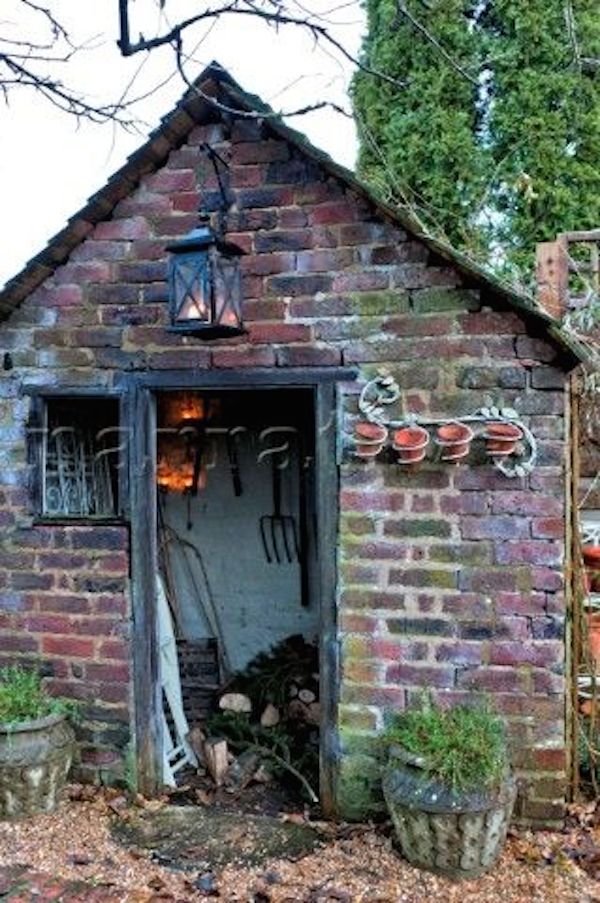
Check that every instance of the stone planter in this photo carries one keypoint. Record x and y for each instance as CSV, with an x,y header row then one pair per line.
x,y
35,758
459,835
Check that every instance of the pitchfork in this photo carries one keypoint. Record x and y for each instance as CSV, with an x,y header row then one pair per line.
x,y
278,531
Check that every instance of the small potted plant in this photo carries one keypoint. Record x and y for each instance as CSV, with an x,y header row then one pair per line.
x,y
36,744
448,786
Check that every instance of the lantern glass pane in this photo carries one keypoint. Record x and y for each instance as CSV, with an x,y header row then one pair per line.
x,y
228,291
190,287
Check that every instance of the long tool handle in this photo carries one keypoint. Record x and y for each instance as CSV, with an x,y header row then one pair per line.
x,y
276,487
303,513
234,465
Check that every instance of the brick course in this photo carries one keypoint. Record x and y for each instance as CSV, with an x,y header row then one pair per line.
x,y
449,578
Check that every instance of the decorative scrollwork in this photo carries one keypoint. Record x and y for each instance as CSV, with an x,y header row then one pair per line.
x,y
381,392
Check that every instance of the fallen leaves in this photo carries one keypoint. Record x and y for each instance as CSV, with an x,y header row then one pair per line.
x,y
356,864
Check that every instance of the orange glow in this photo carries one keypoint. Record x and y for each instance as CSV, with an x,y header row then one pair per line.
x,y
229,318
191,407
193,309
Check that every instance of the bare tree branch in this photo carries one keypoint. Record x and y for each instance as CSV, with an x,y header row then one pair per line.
x,y
249,114
58,95
274,17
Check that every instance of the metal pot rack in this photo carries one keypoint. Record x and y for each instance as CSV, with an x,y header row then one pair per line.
x,y
381,392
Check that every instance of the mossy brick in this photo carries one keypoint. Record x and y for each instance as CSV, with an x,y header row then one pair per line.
x,y
512,378
468,553
416,527
357,718
371,599
359,788
492,580
477,377
363,672
376,303
353,574
355,648
356,525
421,626
430,300
428,477
434,578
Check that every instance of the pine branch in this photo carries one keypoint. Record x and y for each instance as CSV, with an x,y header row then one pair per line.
x,y
418,26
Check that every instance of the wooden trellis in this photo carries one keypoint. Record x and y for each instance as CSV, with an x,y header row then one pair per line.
x,y
568,272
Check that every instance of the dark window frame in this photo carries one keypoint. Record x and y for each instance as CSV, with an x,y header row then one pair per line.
x,y
40,397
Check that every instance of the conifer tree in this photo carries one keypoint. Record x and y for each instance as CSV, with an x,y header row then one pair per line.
x,y
495,139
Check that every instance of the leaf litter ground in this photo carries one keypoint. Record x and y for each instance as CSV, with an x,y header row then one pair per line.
x,y
253,859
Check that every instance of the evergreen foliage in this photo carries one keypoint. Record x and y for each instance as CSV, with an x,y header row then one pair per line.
x,y
23,697
494,142
463,747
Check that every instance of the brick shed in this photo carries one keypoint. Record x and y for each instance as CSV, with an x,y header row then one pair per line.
x,y
444,576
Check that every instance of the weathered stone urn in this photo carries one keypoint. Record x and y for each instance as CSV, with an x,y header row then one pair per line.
x,y
35,758
456,834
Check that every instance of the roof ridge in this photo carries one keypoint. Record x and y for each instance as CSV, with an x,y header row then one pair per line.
x,y
172,131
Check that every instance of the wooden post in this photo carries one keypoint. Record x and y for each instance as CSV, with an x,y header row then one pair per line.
x,y
573,582
552,274
140,413
327,490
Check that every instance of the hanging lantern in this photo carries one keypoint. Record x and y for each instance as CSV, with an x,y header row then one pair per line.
x,y
205,286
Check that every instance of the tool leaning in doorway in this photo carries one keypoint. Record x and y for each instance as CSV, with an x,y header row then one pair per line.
x,y
279,532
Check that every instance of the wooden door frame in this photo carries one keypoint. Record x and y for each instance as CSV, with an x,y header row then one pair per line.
x,y
140,416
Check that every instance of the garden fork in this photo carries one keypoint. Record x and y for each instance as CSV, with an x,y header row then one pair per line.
x,y
279,532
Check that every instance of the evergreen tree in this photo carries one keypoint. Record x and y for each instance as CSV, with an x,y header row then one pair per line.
x,y
495,140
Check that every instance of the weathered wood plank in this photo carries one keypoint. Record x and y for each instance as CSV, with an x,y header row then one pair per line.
x,y
327,488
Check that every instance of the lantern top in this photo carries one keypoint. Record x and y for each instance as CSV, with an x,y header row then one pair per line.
x,y
201,238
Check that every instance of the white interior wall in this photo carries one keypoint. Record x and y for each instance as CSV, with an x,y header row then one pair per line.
x,y
257,604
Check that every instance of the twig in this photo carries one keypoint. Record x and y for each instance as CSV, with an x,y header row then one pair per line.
x,y
250,114
404,11
274,18
284,764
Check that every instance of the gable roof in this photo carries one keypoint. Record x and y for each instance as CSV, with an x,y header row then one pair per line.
x,y
213,92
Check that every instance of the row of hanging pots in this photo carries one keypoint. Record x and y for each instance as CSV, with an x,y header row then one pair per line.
x,y
454,439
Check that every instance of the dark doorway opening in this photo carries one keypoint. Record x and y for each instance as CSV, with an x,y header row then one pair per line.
x,y
239,595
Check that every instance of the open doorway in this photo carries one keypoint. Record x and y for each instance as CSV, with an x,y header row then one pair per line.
x,y
239,593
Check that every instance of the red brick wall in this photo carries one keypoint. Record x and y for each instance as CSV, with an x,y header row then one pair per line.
x,y
449,578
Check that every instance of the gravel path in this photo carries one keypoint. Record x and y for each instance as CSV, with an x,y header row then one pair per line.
x,y
355,865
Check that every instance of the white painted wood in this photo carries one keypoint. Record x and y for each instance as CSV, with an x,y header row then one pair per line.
x,y
177,752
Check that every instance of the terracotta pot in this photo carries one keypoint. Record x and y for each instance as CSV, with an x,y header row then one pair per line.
x,y
502,438
370,438
591,559
410,442
369,432
593,626
455,440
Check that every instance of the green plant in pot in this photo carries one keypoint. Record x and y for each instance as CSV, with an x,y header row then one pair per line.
x,y
448,786
36,744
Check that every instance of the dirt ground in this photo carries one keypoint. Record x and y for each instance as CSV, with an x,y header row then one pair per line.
x,y
348,864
